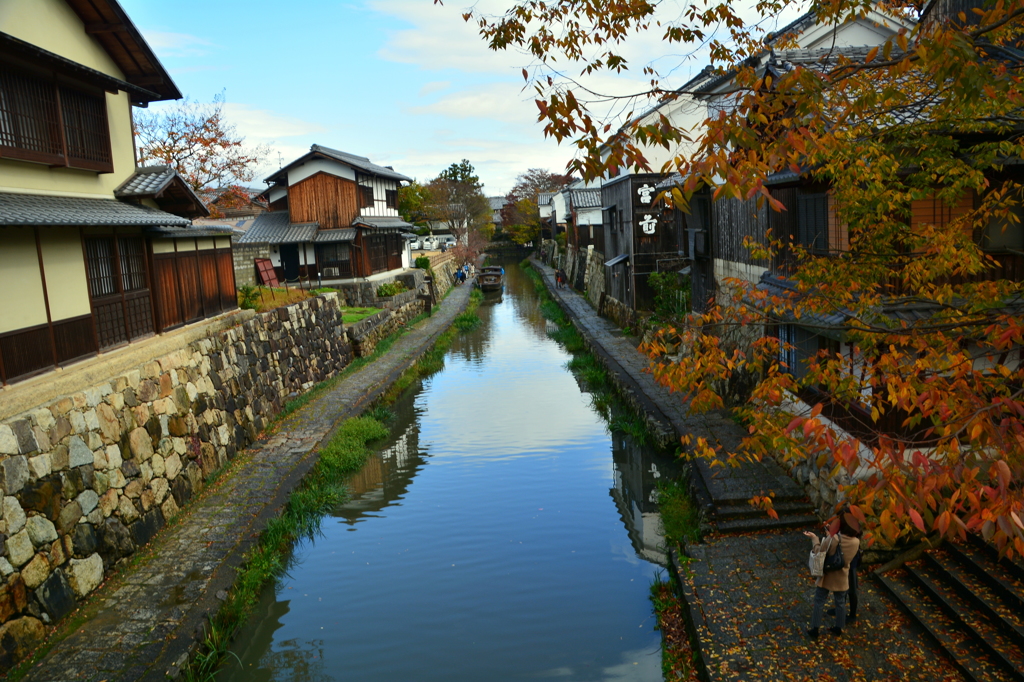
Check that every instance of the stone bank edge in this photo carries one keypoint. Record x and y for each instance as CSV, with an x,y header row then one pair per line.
x,y
90,478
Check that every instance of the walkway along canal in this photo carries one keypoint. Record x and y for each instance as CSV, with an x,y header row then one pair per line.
x,y
500,533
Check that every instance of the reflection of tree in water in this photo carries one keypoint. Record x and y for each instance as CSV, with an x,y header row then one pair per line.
x,y
260,661
389,472
295,660
525,304
472,346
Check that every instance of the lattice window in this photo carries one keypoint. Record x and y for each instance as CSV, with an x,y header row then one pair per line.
x,y
132,251
29,118
391,198
100,265
140,316
85,126
110,323
56,125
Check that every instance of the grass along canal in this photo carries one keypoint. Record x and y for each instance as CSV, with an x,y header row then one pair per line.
x,y
498,531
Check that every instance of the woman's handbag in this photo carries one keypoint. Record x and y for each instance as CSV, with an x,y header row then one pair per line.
x,y
820,562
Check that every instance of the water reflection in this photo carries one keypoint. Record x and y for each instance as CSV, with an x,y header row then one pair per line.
x,y
637,472
480,542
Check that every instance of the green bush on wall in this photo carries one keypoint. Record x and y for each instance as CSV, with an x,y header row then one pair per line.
x,y
423,263
390,289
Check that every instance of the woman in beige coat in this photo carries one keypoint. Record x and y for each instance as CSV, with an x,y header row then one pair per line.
x,y
835,582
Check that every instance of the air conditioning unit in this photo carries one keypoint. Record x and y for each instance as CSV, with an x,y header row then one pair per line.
x,y
332,272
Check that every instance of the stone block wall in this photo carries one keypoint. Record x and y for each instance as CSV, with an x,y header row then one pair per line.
x,y
595,277
89,478
618,312
444,276
367,333
364,294
243,256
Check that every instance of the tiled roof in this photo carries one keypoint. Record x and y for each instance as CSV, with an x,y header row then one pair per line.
x,y
586,198
382,222
146,181
346,234
275,228
832,325
36,209
497,203
360,162
194,231
544,198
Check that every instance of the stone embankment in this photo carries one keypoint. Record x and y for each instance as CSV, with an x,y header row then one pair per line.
x,y
142,623
90,477
745,587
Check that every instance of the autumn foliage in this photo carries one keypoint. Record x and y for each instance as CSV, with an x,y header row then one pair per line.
x,y
205,149
932,115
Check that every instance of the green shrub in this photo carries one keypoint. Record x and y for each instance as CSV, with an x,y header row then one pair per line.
x,y
247,297
671,294
390,289
422,262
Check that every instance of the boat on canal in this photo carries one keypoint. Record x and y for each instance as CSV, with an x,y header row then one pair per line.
x,y
491,278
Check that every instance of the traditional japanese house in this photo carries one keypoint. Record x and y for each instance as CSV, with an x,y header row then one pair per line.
x,y
95,252
584,227
641,236
333,216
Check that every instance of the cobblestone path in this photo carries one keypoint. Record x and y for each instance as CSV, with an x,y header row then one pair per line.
x,y
142,622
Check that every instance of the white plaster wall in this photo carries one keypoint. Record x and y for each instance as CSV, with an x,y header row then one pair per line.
x,y
300,173
728,269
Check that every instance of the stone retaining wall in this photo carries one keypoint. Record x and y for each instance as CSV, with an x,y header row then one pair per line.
x,y
618,312
367,333
89,478
444,276
364,294
243,256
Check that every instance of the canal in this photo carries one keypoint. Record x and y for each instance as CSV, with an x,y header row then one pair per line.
x,y
499,533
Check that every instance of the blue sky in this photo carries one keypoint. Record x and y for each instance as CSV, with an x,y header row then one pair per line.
x,y
404,82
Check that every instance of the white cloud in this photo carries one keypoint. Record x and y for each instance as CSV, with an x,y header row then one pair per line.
x,y
263,124
434,86
168,44
498,101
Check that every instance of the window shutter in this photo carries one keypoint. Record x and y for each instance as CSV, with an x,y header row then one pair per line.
x,y
812,213
699,221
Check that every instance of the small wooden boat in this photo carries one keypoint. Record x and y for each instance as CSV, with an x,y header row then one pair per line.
x,y
491,278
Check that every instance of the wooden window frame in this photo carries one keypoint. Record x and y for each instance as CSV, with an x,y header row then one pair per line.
x,y
70,125
365,196
391,198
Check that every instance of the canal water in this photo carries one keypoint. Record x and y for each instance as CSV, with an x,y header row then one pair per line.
x,y
500,533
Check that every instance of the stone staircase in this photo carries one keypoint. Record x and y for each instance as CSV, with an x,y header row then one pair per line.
x,y
971,603
725,493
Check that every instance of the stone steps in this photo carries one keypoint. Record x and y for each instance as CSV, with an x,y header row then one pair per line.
x,y
971,603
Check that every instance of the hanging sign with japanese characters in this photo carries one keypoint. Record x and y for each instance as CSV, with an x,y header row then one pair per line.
x,y
646,216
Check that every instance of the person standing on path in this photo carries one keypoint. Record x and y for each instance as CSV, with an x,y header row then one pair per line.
x,y
835,582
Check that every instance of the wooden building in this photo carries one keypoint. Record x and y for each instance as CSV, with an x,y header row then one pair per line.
x,y
333,215
94,252
641,236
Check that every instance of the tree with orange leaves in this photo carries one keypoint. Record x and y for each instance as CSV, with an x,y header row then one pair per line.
x,y
201,146
934,114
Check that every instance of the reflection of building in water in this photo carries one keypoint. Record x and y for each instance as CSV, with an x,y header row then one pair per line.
x,y
385,477
637,470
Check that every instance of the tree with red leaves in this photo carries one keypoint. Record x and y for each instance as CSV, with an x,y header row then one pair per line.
x,y
932,115
201,146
